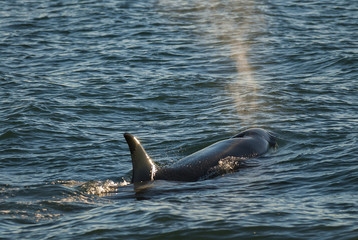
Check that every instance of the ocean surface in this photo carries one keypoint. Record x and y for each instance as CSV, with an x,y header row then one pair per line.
x,y
180,75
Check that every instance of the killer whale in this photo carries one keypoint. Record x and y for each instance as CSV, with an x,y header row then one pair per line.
x,y
204,163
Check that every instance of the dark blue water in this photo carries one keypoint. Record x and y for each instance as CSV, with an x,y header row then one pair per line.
x,y
180,75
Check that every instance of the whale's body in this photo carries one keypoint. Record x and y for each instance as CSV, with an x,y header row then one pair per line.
x,y
204,163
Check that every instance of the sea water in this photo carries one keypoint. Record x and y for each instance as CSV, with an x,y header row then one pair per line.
x,y
180,75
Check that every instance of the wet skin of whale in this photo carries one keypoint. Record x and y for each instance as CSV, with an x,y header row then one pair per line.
x,y
247,144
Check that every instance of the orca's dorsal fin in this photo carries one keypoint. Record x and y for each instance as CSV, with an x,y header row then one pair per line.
x,y
143,167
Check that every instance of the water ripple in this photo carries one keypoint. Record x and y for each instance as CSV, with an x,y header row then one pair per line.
x,y
180,75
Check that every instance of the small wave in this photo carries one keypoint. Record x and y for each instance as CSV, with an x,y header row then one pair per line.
x,y
82,195
30,216
101,188
8,134
226,165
